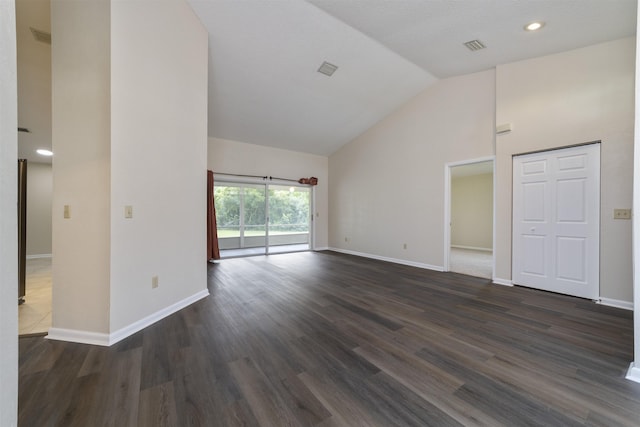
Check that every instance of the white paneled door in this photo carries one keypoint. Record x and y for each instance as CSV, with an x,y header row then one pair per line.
x,y
556,220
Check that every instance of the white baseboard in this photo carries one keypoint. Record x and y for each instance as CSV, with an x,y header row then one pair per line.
x,y
323,248
473,248
82,337
387,259
633,373
38,256
131,329
616,303
85,337
496,280
503,282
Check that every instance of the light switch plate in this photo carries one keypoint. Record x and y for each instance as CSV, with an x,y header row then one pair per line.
x,y
622,214
128,211
66,212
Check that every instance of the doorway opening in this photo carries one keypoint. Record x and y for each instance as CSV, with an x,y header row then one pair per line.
x,y
469,217
34,83
261,219
34,314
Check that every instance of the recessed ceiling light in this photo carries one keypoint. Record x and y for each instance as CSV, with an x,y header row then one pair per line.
x,y
533,26
44,152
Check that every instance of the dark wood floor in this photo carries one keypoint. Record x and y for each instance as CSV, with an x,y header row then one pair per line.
x,y
323,339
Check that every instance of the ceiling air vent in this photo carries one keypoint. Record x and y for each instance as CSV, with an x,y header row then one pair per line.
x,y
474,45
327,69
41,36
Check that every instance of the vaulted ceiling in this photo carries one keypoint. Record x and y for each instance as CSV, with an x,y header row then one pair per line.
x,y
264,87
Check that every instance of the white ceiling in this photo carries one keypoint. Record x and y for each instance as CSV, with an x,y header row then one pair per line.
x,y
431,33
263,57
263,84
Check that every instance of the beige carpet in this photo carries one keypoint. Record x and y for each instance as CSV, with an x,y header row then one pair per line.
x,y
471,262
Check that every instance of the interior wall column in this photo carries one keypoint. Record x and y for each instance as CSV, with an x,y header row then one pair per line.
x,y
8,216
634,370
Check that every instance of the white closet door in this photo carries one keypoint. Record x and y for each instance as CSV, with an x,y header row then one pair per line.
x,y
556,220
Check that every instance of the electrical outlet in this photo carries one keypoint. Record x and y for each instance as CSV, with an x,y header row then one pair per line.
x,y
154,282
404,246
346,239
622,214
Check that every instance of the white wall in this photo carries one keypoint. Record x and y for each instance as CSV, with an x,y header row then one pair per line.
x,y
39,195
81,171
158,157
634,369
472,211
387,186
249,159
129,128
8,217
572,98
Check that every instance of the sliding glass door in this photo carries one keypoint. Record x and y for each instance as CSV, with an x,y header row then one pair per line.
x,y
289,218
262,218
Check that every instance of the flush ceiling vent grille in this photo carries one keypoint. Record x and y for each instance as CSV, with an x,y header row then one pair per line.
x,y
327,69
474,45
41,36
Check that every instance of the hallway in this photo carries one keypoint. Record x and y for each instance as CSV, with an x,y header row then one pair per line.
x,y
34,316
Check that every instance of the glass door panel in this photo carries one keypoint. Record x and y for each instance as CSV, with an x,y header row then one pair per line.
x,y
241,218
228,200
289,218
254,218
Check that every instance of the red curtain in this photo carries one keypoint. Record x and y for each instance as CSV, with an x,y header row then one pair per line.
x,y
213,251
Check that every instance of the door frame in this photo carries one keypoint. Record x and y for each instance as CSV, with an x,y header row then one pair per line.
x,y
447,209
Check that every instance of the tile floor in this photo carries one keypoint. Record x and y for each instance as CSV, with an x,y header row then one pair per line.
x,y
34,316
